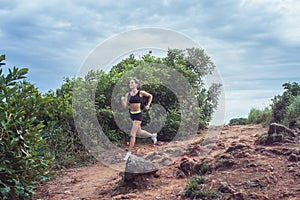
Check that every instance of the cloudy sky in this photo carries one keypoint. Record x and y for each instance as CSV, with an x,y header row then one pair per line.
x,y
255,44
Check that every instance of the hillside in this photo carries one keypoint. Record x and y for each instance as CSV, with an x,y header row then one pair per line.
x,y
227,157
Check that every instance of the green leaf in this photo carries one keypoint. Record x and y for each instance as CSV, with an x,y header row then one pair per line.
x,y
4,190
40,126
3,124
23,71
2,57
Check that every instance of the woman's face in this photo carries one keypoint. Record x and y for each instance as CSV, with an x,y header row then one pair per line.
x,y
132,84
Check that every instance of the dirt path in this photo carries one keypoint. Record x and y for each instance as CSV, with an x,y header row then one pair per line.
x,y
78,183
253,172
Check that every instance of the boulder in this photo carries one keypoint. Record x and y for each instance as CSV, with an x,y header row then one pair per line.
x,y
281,129
179,174
236,147
202,168
295,123
225,163
278,133
294,158
136,166
186,167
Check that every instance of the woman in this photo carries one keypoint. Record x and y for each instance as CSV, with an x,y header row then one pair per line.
x,y
134,98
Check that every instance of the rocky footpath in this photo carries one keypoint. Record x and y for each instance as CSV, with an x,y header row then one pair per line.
x,y
250,165
228,163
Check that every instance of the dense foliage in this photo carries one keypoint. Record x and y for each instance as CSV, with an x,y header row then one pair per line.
x,y
59,131
179,60
286,106
23,157
257,116
37,131
238,121
283,108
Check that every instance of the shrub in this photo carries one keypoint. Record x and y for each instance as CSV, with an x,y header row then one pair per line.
x,y
196,189
285,106
238,121
23,160
64,144
257,116
293,110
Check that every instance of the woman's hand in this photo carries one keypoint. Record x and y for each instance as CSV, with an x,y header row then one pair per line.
x,y
146,94
123,100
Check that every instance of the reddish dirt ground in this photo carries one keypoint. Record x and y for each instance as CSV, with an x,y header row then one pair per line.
x,y
254,171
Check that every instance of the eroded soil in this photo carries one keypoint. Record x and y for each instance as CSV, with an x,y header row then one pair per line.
x,y
240,169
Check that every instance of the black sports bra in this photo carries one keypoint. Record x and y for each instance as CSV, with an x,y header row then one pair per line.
x,y
134,99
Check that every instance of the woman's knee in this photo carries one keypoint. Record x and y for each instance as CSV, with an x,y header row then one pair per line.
x,y
133,134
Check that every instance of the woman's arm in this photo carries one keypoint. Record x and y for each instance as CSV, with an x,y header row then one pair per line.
x,y
124,100
146,94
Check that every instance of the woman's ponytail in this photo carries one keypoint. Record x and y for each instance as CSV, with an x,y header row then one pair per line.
x,y
139,83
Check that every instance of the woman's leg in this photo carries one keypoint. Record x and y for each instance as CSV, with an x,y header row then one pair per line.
x,y
147,134
135,127
143,132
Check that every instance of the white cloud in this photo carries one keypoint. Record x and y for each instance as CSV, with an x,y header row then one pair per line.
x,y
286,18
254,43
290,25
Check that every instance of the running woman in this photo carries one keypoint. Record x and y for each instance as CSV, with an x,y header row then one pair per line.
x,y
134,97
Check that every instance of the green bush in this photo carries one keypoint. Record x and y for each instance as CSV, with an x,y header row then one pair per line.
x,y
293,110
23,160
257,116
196,189
193,64
60,133
238,121
284,107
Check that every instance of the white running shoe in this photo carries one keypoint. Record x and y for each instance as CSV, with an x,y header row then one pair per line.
x,y
154,138
127,155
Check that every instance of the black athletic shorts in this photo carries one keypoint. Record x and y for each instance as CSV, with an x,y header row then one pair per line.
x,y
137,116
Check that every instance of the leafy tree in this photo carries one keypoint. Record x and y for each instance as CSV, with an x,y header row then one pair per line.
x,y
293,110
283,108
257,116
193,64
22,160
281,103
293,88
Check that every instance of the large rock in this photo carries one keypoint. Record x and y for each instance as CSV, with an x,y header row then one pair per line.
x,y
280,129
295,123
237,147
278,134
186,167
136,166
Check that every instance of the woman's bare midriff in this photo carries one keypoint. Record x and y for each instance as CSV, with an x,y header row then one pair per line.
x,y
134,107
